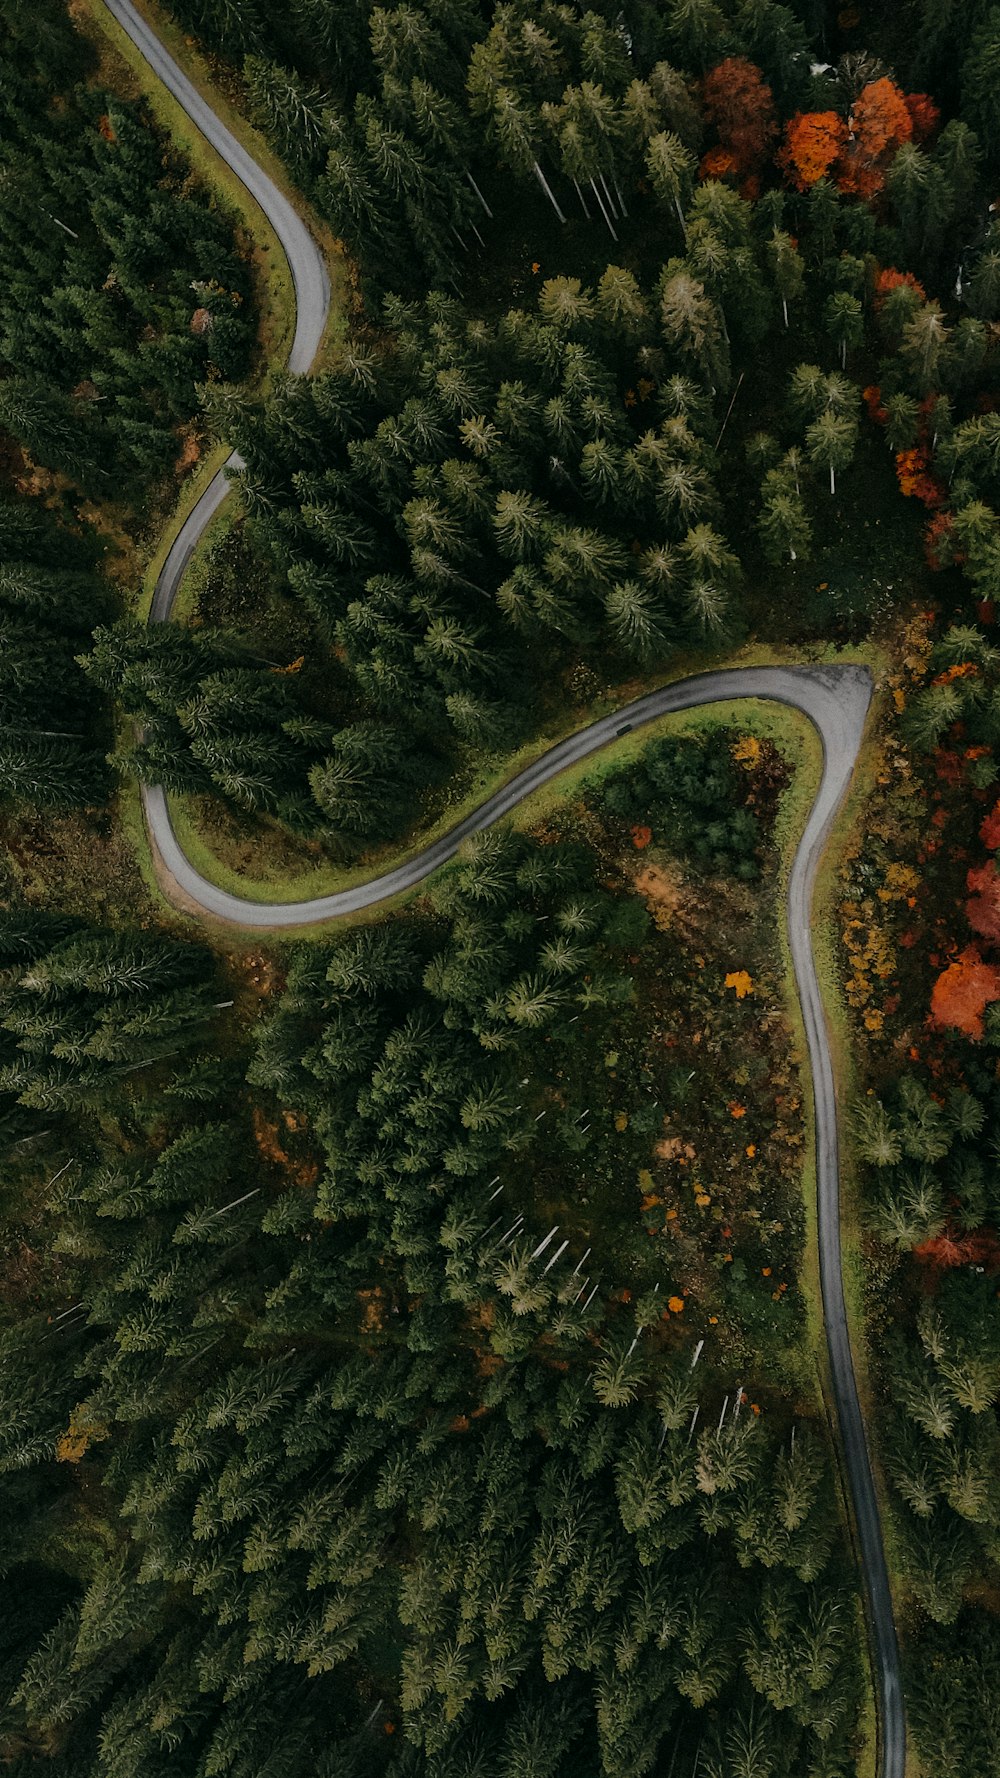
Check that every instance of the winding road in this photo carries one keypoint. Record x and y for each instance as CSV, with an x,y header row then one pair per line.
x,y
834,698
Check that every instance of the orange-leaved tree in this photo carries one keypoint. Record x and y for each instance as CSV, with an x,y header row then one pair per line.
x,y
879,122
888,279
952,1248
963,991
813,142
856,153
913,472
718,163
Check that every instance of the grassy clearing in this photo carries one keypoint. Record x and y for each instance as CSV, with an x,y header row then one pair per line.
x,y
81,860
793,1358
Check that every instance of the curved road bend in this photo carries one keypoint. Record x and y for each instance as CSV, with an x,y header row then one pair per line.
x,y
836,701
309,276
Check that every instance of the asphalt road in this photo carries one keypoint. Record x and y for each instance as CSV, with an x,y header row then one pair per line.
x,y
835,699
309,276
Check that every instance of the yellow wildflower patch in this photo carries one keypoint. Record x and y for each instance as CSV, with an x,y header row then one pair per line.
x,y
746,752
80,1433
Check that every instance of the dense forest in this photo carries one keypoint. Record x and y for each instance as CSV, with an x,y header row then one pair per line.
x,y
471,503
405,1335
379,1459
110,320
123,292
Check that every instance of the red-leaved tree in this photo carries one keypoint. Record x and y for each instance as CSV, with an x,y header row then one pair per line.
x,y
924,115
989,828
739,102
982,910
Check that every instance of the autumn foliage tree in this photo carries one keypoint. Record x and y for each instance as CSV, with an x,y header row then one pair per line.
x,y
738,101
813,143
879,123
963,991
857,153
989,828
924,115
982,910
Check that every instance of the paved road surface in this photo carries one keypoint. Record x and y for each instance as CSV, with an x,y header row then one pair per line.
x,y
835,699
312,286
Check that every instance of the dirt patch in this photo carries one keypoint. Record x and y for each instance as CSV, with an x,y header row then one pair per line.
x,y
674,1148
669,899
267,1136
80,861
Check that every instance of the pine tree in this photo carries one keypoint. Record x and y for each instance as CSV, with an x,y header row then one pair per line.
x,y
671,171
831,441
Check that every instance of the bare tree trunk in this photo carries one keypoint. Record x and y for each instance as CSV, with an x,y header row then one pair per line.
x,y
784,311
843,354
680,218
479,194
618,195
63,225
583,201
603,211
732,404
546,187
611,202
833,482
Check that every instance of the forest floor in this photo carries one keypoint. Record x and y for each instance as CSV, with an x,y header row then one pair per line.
x,y
703,1200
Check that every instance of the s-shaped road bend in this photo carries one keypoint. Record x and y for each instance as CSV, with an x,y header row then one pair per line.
x,y
834,698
